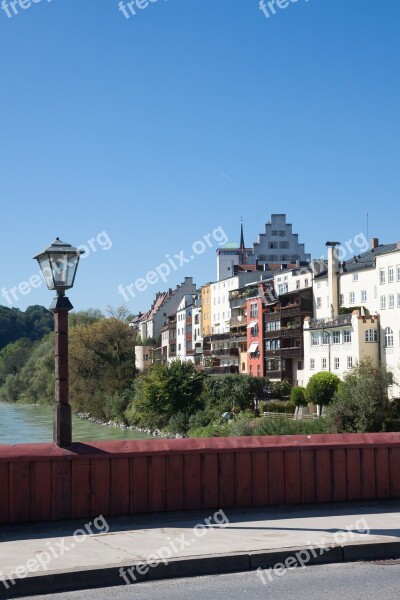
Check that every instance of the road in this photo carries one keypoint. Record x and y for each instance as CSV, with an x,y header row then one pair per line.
x,y
356,581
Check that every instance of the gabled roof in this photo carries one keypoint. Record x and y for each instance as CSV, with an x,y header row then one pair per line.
x,y
362,261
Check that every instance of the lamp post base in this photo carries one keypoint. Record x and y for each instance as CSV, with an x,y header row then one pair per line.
x,y
62,425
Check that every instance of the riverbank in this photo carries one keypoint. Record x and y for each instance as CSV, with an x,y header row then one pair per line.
x,y
154,433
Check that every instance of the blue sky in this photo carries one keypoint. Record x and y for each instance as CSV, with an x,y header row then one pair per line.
x,y
159,128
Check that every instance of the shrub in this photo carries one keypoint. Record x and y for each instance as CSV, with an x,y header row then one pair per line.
x,y
298,396
278,406
321,388
291,427
281,389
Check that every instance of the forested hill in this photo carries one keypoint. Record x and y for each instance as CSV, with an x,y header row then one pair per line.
x,y
32,324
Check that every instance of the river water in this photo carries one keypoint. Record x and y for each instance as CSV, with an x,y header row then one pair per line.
x,y
20,424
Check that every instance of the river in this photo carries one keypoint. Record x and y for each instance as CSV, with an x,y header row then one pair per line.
x,y
21,424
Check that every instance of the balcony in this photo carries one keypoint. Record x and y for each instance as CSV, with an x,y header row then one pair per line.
x,y
273,353
189,337
290,310
274,374
221,370
273,316
238,322
189,320
273,334
172,354
225,352
339,321
291,352
291,332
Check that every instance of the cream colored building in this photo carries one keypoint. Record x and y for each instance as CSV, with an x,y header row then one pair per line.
x,y
369,282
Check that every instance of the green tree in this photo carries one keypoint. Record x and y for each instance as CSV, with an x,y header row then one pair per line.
x,y
361,403
165,391
321,388
298,396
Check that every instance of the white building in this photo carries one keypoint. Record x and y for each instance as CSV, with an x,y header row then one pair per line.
x,y
370,284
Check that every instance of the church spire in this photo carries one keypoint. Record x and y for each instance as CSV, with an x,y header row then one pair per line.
x,y
242,244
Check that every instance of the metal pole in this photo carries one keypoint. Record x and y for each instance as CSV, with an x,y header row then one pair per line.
x,y
62,417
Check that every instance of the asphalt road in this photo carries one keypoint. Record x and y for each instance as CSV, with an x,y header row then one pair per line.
x,y
356,581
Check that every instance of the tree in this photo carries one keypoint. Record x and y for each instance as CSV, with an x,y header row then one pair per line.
x,y
102,364
361,403
298,396
165,391
13,357
321,388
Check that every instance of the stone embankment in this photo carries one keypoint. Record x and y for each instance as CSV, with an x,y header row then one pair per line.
x,y
155,432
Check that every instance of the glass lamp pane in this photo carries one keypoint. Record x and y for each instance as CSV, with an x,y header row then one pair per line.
x,y
64,267
47,272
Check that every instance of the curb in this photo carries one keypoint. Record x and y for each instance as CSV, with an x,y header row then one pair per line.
x,y
75,580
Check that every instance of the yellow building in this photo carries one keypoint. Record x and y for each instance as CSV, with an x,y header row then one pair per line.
x,y
206,310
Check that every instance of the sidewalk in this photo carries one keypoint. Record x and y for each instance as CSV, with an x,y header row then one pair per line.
x,y
45,558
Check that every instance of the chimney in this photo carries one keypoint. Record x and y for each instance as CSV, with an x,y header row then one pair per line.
x,y
374,243
333,280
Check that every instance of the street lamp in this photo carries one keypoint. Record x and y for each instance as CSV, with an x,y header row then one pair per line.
x,y
58,264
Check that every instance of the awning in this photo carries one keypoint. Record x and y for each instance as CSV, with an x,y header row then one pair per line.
x,y
252,324
253,348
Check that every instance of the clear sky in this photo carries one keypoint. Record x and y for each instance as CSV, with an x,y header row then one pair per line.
x,y
160,128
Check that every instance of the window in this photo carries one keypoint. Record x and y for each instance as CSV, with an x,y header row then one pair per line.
x,y
326,338
319,302
383,302
336,337
389,339
273,344
347,336
282,233
349,362
337,363
323,364
283,244
306,282
251,370
254,331
314,339
391,300
398,300
355,276
272,245
254,310
382,276
363,296
341,299
391,274
297,284
273,325
398,272
371,335
258,370
352,298
275,232
312,364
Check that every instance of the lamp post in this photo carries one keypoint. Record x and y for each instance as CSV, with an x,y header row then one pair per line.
x,y
59,263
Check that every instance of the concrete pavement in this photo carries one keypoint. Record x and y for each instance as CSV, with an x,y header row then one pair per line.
x,y
51,557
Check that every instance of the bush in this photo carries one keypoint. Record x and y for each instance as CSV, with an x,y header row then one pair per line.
x,y
291,427
281,389
321,388
278,406
361,404
178,424
298,396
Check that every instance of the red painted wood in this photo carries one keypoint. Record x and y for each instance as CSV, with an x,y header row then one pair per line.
x,y
293,477
323,472
308,483
61,490
120,490
382,473
394,462
20,493
157,484
175,482
41,487
192,481
81,489
4,493
100,476
339,490
243,479
276,477
139,485
353,474
226,481
209,487
368,487
259,479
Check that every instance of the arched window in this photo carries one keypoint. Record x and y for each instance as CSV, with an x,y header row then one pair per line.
x,y
389,338
371,335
